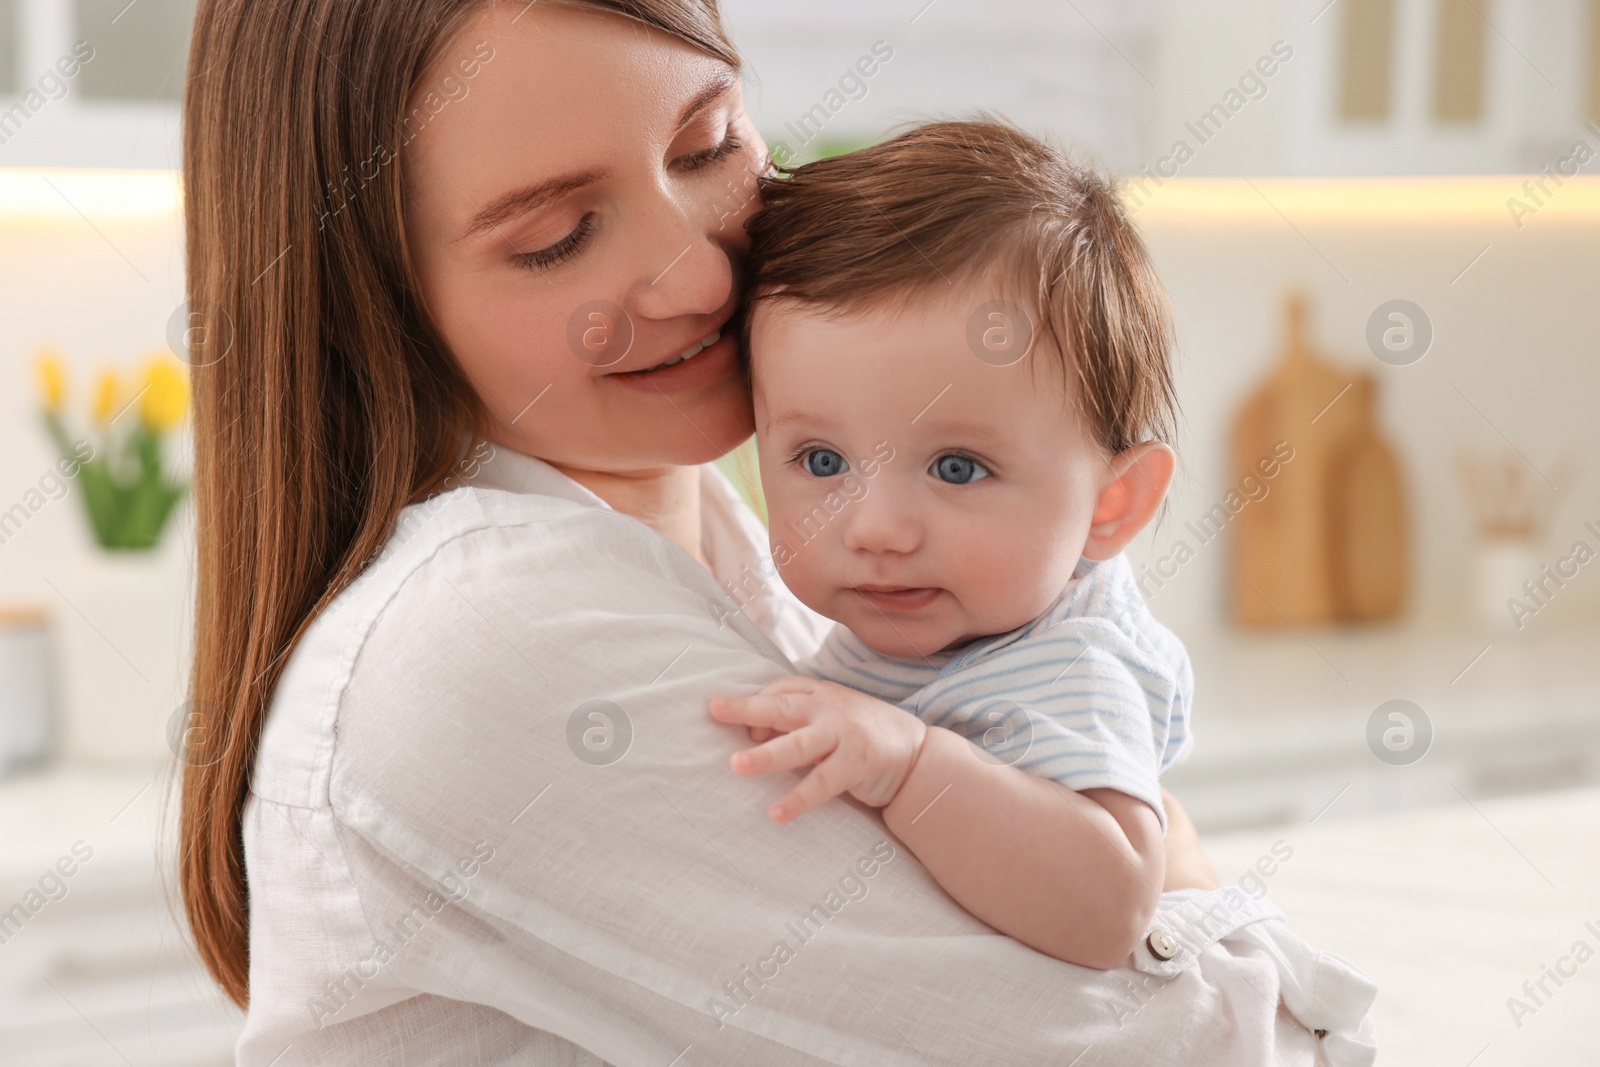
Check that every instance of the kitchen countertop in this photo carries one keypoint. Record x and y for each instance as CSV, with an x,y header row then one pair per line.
x,y
1281,720
1450,910
1249,683
1449,892
98,970
43,812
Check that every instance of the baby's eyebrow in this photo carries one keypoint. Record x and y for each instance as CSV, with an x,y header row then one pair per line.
x,y
791,418
964,430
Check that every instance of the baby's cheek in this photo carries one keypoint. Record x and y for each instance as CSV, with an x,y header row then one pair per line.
x,y
799,555
1007,573
986,576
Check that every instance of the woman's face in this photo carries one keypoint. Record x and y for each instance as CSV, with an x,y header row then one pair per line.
x,y
575,212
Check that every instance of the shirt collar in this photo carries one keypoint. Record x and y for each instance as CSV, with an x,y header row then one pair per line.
x,y
489,466
731,537
733,540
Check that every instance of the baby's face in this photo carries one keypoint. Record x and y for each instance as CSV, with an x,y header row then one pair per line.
x,y
917,494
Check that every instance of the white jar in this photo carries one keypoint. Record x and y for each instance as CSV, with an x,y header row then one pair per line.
x,y
27,690
1502,566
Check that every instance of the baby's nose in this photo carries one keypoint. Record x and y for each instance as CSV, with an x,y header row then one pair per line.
x,y
880,524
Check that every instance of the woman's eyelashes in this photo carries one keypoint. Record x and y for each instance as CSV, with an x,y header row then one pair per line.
x,y
573,243
730,145
562,250
956,469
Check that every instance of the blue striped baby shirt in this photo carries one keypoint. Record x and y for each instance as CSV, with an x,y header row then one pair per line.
x,y
1094,693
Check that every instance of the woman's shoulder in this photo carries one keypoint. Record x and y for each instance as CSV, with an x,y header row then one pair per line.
x,y
489,542
473,585
490,546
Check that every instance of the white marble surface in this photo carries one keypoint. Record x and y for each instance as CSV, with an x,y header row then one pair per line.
x,y
1450,910
112,810
1280,719
96,969
1251,684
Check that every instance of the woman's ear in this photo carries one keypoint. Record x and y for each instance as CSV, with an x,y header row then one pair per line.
x,y
1136,481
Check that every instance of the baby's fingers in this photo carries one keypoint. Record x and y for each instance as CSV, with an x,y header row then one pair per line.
x,y
820,786
783,712
731,710
758,734
784,753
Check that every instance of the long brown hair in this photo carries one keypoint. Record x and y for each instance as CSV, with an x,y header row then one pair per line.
x,y
325,401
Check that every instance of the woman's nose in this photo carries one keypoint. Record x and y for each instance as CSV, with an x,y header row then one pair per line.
x,y
686,272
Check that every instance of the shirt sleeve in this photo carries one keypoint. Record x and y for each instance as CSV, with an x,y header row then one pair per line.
x,y
539,818
1080,702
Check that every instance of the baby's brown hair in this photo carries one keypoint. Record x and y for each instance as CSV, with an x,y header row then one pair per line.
x,y
951,202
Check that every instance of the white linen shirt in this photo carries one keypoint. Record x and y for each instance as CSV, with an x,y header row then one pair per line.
x,y
492,823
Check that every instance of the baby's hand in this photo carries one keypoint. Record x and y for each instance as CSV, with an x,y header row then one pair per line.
x,y
862,746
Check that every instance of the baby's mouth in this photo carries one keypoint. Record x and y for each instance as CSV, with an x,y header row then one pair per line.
x,y
897,597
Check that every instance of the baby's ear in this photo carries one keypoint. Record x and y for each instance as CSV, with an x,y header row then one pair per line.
x,y
1135,482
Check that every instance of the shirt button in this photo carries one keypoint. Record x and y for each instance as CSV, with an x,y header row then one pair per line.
x,y
1162,945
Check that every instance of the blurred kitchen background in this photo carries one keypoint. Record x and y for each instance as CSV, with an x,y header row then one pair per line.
x,y
1381,236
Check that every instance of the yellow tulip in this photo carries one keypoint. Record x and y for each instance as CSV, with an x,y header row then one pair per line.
x,y
52,370
166,395
106,388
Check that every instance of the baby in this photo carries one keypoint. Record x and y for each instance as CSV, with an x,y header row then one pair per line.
x,y
960,360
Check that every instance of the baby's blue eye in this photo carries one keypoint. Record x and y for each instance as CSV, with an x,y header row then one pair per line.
x,y
958,470
824,462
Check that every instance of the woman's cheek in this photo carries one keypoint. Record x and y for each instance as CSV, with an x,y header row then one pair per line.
x,y
747,189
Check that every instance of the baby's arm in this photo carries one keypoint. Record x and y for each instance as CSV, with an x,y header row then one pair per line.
x,y
1075,875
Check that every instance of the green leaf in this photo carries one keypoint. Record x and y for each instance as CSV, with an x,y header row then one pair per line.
x,y
127,495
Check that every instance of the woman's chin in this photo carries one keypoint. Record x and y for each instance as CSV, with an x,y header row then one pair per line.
x,y
690,425
711,435
710,429
710,452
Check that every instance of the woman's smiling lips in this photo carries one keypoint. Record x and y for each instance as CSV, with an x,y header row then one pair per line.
x,y
897,597
677,374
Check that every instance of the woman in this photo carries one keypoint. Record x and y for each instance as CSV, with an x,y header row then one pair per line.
x,y
458,799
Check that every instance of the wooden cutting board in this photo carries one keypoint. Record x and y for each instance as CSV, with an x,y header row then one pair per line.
x,y
1327,543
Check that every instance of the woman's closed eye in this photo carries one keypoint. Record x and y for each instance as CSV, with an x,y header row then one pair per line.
x,y
822,462
730,145
570,245
956,469
562,250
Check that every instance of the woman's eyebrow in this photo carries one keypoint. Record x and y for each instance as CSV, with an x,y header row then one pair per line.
x,y
523,200
720,84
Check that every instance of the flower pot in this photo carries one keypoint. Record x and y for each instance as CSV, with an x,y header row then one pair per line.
x,y
125,653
